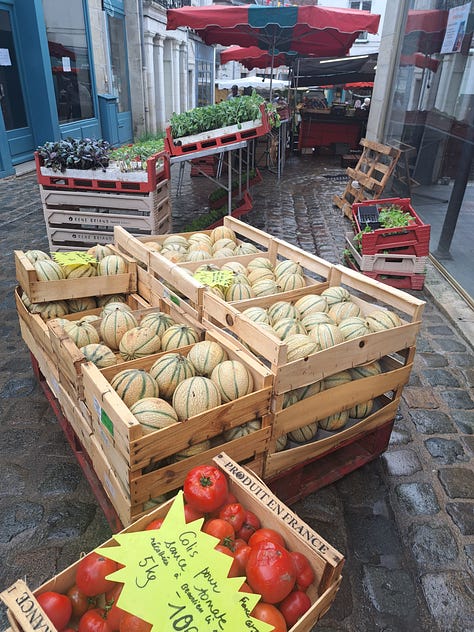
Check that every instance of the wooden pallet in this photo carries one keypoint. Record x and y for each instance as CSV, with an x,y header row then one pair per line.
x,y
368,179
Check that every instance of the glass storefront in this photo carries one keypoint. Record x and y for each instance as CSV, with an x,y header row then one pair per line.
x,y
69,56
432,114
118,60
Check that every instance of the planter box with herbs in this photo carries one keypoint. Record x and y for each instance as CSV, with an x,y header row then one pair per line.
x,y
92,165
400,230
219,125
218,197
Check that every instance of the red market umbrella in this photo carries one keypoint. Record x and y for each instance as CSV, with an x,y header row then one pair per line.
x,y
253,57
303,30
424,32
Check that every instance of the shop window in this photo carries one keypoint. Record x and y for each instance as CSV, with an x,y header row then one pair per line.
x,y
118,60
204,82
365,5
69,57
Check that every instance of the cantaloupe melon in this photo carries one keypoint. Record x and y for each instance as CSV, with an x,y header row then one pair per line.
x,y
289,282
134,384
200,237
288,326
359,411
205,356
80,271
233,379
113,326
99,354
365,370
91,318
257,314
300,346
179,240
304,434
259,262
335,421
81,304
313,319
282,309
311,303
222,232
259,274
345,309
169,370
99,251
48,270
154,413
139,342
153,245
281,443
197,448
197,255
112,306
158,322
102,301
308,391
267,287
112,264
353,327
381,319
243,430
82,332
246,249
223,253
178,336
234,266
223,242
336,294
239,292
53,309
337,379
287,266
194,396
326,335
36,255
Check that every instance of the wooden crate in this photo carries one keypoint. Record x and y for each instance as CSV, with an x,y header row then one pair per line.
x,y
69,358
133,454
37,336
326,561
385,389
64,289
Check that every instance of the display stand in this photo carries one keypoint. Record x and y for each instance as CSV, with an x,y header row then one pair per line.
x,y
221,151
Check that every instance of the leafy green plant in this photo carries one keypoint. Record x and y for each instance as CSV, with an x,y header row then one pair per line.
x,y
220,192
133,157
392,216
72,153
207,219
209,117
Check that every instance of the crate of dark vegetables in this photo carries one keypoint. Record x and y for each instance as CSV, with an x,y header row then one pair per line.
x,y
220,125
90,164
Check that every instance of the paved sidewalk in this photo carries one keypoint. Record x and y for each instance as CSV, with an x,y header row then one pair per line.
x,y
405,522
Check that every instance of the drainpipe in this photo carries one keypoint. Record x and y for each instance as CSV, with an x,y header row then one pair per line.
x,y
144,69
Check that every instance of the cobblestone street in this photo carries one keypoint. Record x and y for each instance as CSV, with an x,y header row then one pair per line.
x,y
404,522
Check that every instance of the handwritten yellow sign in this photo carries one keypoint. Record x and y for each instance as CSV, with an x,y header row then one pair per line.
x,y
73,258
214,277
175,579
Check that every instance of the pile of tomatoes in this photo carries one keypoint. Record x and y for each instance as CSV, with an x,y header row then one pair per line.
x,y
280,576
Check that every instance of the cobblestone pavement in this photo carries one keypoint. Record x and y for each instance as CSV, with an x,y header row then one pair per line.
x,y
405,522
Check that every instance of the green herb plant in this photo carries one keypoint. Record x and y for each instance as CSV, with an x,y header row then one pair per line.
x,y
133,157
392,216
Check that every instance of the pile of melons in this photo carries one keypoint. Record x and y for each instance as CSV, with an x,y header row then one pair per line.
x,y
219,243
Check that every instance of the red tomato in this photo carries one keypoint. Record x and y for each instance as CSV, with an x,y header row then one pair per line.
x,y
58,608
234,570
271,615
241,553
113,612
205,488
294,606
131,623
220,529
266,535
270,571
80,602
234,513
304,572
91,574
93,621
154,524
250,525
191,514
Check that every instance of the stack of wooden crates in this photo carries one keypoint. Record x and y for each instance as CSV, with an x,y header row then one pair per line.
x,y
80,212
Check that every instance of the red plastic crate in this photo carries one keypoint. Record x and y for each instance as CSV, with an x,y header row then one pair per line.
x,y
218,141
406,240
63,181
306,478
245,207
405,281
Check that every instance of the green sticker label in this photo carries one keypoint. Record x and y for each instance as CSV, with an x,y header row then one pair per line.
x,y
107,422
73,258
214,277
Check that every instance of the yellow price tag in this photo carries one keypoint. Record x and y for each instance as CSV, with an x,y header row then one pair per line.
x,y
215,277
174,579
73,258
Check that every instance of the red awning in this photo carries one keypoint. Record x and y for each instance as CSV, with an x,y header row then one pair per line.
x,y
303,30
424,32
420,61
253,57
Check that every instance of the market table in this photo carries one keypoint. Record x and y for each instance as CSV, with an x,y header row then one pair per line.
x,y
323,130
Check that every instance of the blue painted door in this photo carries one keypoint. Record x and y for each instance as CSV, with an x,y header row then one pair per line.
x,y
12,95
